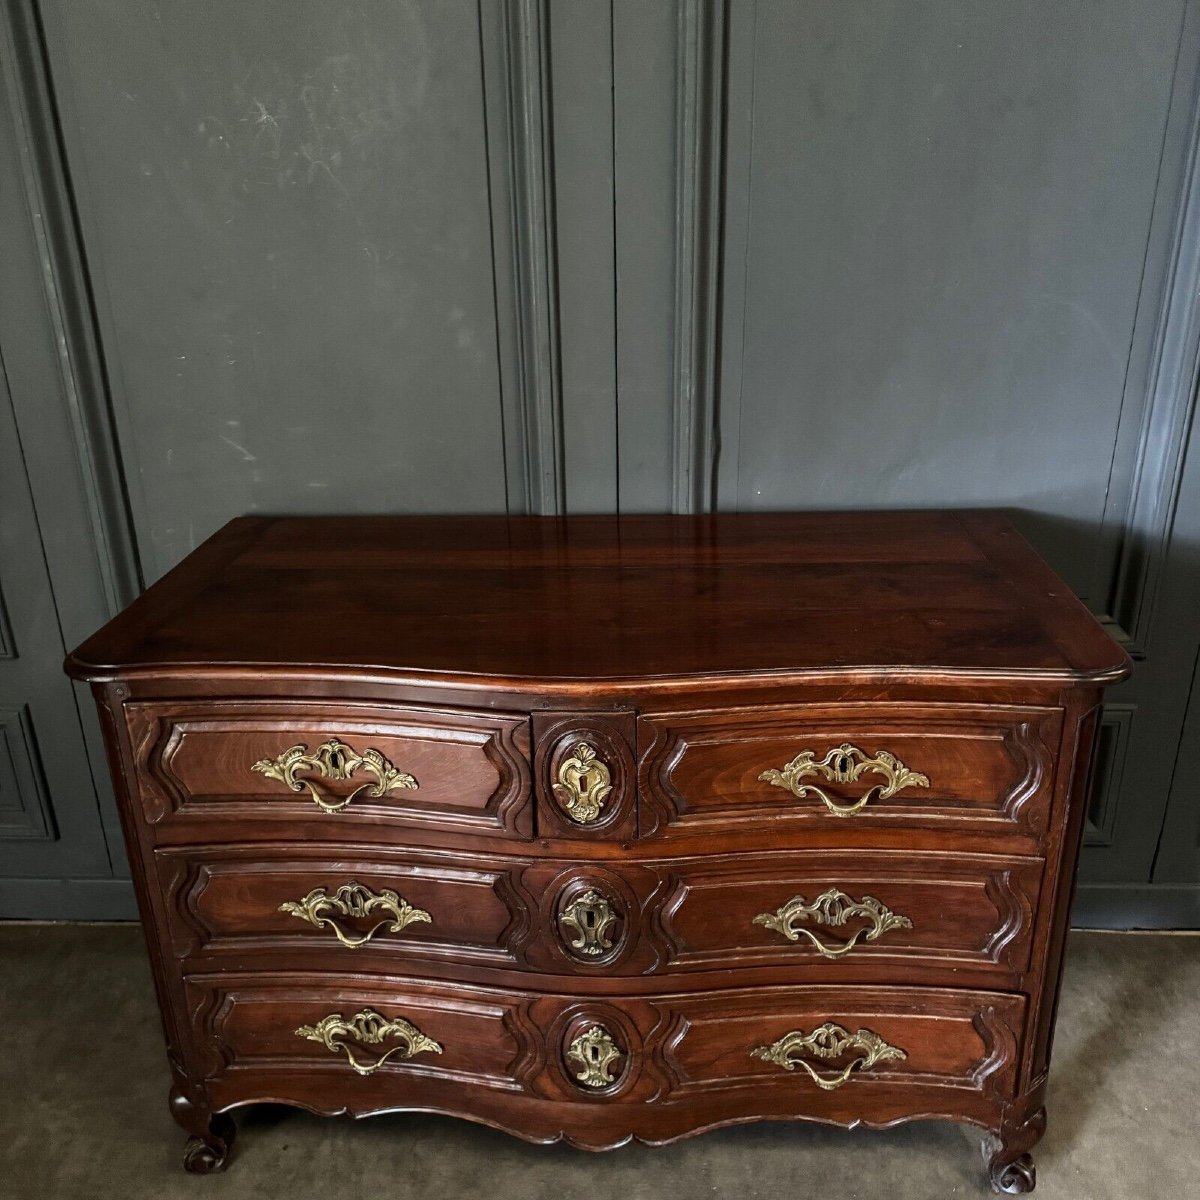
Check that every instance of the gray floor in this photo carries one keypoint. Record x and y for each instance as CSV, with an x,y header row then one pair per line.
x,y
83,1084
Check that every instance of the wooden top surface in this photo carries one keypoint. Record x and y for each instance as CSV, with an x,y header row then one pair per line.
x,y
636,598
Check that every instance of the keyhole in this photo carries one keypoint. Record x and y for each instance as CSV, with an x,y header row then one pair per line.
x,y
589,918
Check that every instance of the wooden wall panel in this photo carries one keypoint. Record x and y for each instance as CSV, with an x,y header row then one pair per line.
x,y
580,255
944,239
287,208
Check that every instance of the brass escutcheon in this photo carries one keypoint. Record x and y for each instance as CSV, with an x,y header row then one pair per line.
x,y
583,784
594,1052
588,918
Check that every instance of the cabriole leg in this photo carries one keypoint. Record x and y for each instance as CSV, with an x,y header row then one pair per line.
x,y
1010,1164
211,1135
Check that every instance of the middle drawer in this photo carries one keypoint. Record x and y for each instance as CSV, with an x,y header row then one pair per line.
x,y
842,914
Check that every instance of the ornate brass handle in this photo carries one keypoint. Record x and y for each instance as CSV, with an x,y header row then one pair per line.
x,y
828,1042
368,1028
844,764
833,908
337,761
354,900
594,1052
583,784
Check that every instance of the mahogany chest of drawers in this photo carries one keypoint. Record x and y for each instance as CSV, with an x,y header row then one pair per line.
x,y
606,828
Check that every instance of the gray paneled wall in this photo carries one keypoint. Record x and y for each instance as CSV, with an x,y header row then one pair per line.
x,y
579,255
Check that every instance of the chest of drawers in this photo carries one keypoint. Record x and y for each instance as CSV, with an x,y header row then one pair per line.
x,y
607,828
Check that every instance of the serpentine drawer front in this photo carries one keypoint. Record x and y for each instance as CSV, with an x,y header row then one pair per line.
x,y
334,765
837,914
944,767
607,828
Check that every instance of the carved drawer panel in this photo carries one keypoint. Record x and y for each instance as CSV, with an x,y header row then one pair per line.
x,y
838,912
805,1040
848,768
303,899
340,765
853,917
833,914
352,1029
362,1046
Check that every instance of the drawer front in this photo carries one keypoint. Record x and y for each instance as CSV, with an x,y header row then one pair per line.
x,y
300,900
356,1029
832,915
851,767
826,1039
837,912
281,762
598,1070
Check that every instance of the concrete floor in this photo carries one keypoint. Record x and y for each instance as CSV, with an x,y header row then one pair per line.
x,y
83,1085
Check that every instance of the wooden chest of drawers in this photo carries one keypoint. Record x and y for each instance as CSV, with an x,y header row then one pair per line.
x,y
597,829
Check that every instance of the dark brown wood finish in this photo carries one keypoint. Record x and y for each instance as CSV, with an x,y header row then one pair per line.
x,y
601,828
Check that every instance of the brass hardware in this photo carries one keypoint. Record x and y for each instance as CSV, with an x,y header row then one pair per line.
x,y
354,900
828,1042
594,1052
845,764
584,783
833,908
368,1028
334,760
589,917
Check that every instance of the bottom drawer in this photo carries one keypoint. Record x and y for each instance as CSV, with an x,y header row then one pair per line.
x,y
829,1038
661,1066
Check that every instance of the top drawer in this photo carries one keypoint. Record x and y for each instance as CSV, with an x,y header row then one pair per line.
x,y
283,761
850,766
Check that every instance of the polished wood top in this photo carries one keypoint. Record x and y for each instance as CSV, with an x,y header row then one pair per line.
x,y
637,598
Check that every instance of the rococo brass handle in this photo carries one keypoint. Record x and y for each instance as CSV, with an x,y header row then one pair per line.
x,y
353,900
828,1042
337,761
844,764
833,908
583,784
368,1028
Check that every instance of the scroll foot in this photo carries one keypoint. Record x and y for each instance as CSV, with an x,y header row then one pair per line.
x,y
1010,1164
211,1135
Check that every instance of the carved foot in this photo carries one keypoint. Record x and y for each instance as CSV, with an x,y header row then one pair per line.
x,y
209,1152
207,1149
1010,1165
1015,1179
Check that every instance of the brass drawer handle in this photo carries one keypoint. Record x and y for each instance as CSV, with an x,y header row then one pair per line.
x,y
354,900
368,1028
844,764
337,761
583,784
594,1052
828,1042
833,908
